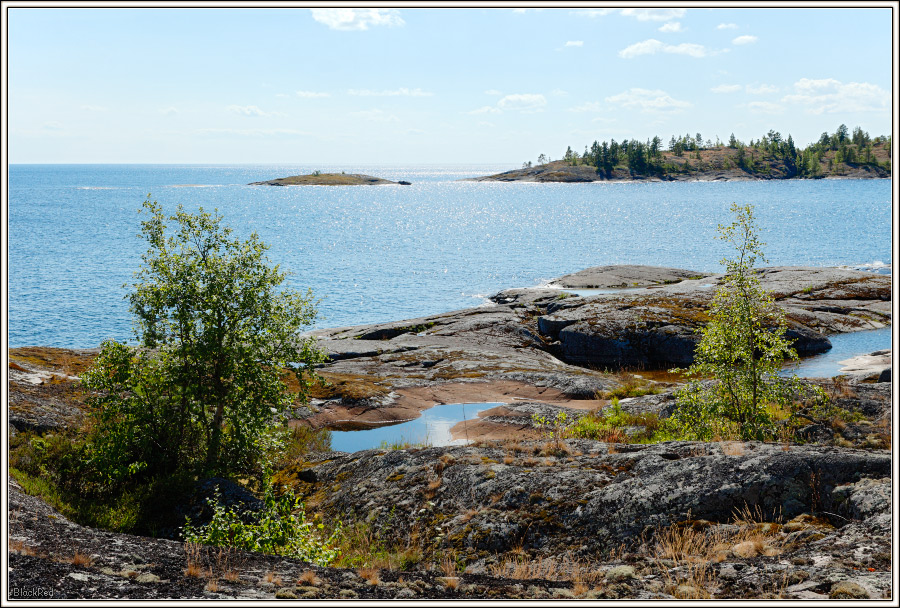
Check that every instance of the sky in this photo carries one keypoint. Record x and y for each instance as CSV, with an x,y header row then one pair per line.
x,y
429,86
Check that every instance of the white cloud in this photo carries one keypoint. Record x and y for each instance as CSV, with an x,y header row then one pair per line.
x,y
727,26
493,92
648,101
401,92
558,93
53,126
311,94
726,88
356,18
654,14
589,106
92,108
170,111
485,110
595,12
672,26
523,102
375,116
762,89
252,132
765,107
653,46
747,39
575,43
248,111
829,95
641,14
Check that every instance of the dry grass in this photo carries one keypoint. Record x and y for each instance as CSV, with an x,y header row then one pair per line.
x,y
274,578
448,566
433,486
370,575
212,585
733,448
693,545
468,515
193,567
579,588
558,569
309,578
18,546
231,576
82,559
884,432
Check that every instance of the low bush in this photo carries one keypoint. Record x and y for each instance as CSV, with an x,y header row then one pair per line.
x,y
279,528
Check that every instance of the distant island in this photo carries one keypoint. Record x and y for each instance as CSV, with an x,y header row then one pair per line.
x,y
690,158
317,178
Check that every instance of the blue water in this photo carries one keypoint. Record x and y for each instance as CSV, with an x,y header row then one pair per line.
x,y
383,253
432,428
843,346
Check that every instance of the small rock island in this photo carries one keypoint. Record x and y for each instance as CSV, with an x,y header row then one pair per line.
x,y
318,178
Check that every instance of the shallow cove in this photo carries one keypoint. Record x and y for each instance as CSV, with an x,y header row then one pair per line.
x,y
431,428
843,346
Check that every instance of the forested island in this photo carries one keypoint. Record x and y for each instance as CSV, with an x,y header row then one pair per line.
x,y
690,158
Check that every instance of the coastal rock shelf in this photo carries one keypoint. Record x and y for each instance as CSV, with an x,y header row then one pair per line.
x,y
550,338
329,179
816,517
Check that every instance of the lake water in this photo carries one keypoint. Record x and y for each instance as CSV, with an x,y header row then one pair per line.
x,y
843,347
432,428
384,253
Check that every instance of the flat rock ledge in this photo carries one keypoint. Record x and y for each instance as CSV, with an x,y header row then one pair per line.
x,y
328,179
550,338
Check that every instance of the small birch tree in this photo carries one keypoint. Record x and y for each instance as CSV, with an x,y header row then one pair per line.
x,y
742,348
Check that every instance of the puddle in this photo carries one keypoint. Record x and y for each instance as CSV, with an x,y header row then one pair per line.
x,y
843,346
431,428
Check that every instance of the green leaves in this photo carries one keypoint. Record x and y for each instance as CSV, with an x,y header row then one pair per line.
x,y
279,528
742,348
218,329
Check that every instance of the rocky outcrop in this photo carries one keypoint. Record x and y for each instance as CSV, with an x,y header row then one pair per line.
x,y
551,336
874,366
625,276
327,179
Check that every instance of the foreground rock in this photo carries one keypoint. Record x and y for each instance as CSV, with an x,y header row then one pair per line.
x,y
328,179
874,366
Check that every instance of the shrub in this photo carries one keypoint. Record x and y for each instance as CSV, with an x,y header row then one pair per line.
x,y
743,348
279,528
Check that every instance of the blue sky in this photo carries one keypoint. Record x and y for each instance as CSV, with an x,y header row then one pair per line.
x,y
449,85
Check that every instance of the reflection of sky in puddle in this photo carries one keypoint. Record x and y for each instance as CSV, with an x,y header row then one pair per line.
x,y
432,427
843,346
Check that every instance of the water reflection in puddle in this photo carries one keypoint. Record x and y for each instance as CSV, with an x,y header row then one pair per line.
x,y
431,428
843,346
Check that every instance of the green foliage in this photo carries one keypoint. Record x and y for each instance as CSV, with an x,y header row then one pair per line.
x,y
743,348
553,429
206,393
279,528
609,425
